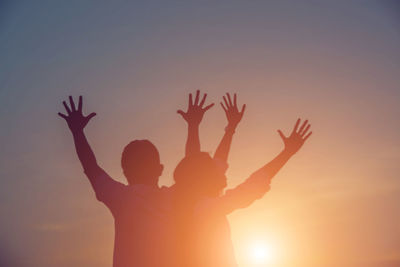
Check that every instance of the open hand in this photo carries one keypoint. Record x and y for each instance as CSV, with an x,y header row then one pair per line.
x,y
233,115
297,138
75,119
195,111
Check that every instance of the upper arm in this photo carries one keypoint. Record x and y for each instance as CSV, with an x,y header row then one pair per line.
x,y
107,190
221,164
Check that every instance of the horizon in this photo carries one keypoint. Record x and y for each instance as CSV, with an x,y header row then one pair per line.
x,y
336,203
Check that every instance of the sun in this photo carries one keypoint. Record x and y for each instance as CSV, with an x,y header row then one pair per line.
x,y
261,253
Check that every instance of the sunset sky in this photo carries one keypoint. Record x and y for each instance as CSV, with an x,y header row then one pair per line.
x,y
337,63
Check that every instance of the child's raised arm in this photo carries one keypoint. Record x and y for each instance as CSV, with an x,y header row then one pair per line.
x,y
193,116
259,182
234,116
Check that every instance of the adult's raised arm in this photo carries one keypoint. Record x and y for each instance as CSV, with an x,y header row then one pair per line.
x,y
76,122
107,190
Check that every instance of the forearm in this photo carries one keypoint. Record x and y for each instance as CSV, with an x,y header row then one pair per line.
x,y
193,140
224,146
254,187
258,183
84,151
271,169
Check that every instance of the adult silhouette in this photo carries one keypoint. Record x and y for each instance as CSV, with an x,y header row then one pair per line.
x,y
201,207
140,209
144,235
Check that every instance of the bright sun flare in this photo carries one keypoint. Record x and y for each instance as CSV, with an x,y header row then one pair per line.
x,y
261,253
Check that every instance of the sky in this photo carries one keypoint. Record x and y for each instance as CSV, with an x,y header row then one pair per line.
x,y
336,63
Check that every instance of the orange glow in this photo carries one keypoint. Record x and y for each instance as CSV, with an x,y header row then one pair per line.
x,y
336,63
262,253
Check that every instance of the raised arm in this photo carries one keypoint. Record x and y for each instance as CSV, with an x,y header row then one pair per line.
x,y
193,117
258,183
76,122
107,190
234,116
292,144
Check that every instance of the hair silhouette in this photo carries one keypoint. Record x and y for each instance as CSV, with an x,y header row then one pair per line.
x,y
198,174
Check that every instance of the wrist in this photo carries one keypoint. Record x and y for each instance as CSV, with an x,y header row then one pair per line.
x,y
193,128
288,153
76,132
193,125
230,128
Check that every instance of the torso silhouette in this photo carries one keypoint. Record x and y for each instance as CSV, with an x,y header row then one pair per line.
x,y
142,222
213,235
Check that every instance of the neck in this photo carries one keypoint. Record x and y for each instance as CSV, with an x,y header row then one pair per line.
x,y
150,181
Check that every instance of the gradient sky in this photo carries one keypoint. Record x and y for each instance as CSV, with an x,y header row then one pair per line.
x,y
337,63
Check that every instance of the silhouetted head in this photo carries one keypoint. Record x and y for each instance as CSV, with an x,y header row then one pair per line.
x,y
141,163
200,174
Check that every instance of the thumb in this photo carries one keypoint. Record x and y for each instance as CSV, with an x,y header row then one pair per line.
x,y
181,112
91,115
208,107
281,134
243,109
62,116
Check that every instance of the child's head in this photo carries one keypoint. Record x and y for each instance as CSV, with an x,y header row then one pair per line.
x,y
141,163
199,173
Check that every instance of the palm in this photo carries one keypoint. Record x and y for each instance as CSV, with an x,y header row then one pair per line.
x,y
195,111
75,119
296,139
233,115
